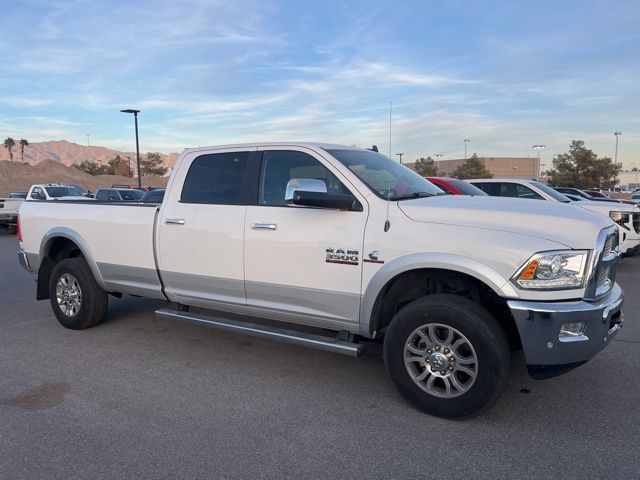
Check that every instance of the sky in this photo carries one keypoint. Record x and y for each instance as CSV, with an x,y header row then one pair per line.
x,y
506,75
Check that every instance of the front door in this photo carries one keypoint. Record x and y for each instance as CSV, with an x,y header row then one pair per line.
x,y
302,264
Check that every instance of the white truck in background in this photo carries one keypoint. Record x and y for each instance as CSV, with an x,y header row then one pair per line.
x,y
9,213
626,216
57,191
354,245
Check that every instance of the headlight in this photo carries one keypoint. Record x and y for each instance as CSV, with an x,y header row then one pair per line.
x,y
621,218
560,270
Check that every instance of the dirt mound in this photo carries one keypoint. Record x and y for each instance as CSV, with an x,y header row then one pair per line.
x,y
16,177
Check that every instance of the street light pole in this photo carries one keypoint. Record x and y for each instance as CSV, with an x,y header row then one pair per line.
x,y
438,156
617,134
400,155
536,173
135,118
466,142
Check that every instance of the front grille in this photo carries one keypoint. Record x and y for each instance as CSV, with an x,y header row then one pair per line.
x,y
611,244
636,221
603,275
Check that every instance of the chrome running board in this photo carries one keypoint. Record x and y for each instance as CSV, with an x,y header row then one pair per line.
x,y
294,337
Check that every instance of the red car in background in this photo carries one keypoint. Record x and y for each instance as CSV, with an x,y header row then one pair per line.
x,y
455,186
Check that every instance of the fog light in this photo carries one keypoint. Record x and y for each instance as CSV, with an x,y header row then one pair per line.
x,y
568,330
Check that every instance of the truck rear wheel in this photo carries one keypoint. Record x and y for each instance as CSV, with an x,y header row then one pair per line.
x,y
447,355
76,298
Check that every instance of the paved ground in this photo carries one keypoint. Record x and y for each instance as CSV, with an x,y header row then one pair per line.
x,y
139,397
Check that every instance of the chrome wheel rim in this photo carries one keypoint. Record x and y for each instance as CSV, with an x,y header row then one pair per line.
x,y
68,295
441,360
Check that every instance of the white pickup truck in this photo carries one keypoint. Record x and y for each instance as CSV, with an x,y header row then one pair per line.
x,y
9,213
355,246
627,217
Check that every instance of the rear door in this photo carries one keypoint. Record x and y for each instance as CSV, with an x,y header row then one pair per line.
x,y
201,229
303,264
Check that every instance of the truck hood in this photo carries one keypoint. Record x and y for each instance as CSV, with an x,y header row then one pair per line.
x,y
605,207
558,222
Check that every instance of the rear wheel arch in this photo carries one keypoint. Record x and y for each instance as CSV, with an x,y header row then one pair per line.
x,y
59,245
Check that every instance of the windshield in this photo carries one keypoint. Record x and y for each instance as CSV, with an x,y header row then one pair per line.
x,y
57,192
131,194
551,192
385,178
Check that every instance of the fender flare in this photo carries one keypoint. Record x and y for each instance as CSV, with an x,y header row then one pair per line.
x,y
75,237
442,261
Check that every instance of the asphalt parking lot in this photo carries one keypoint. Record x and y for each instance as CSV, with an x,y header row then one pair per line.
x,y
141,397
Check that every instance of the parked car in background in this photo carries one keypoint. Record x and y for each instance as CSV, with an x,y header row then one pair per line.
x,y
22,195
147,188
627,217
586,195
346,247
118,195
583,194
455,186
55,191
635,198
154,196
9,213
598,195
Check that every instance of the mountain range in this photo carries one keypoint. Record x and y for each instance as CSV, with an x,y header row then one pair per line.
x,y
69,153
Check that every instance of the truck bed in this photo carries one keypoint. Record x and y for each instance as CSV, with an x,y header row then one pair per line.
x,y
117,239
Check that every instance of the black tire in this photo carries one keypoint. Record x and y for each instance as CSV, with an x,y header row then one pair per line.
x,y
93,305
483,332
11,229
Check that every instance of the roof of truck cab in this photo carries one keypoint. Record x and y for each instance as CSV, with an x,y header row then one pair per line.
x,y
312,145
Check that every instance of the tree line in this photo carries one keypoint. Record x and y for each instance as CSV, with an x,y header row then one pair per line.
x,y
150,164
471,168
580,167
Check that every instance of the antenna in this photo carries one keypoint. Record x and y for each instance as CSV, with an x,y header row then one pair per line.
x,y
387,223
390,111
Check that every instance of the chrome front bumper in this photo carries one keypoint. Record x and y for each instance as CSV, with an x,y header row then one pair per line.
x,y
546,353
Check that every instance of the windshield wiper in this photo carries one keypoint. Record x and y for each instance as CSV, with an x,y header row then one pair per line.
x,y
409,196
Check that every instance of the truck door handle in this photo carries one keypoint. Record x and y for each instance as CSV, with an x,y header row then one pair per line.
x,y
264,226
174,221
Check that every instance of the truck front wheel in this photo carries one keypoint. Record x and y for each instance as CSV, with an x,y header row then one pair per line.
x,y
76,298
447,355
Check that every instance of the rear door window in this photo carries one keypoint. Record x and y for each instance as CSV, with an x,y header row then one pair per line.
x,y
218,178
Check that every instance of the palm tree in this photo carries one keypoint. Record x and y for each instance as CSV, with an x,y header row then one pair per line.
x,y
23,143
9,143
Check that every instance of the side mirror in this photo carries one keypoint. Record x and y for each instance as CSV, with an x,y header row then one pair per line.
x,y
304,184
335,201
35,195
